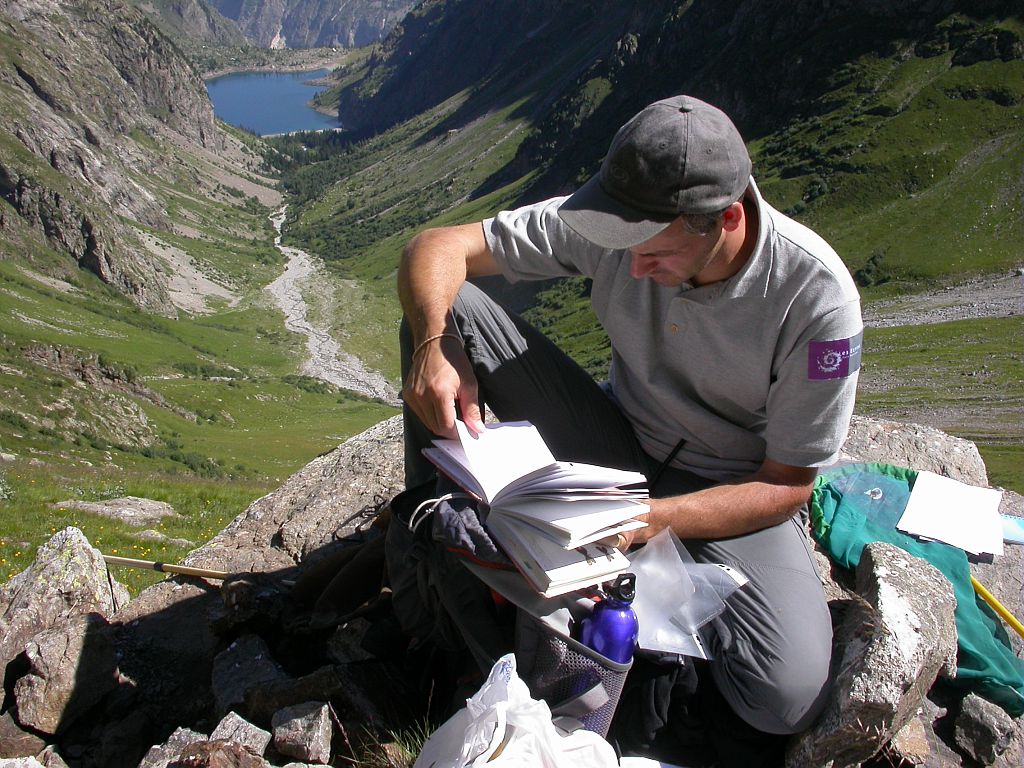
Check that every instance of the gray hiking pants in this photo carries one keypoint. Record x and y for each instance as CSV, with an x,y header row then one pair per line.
x,y
772,646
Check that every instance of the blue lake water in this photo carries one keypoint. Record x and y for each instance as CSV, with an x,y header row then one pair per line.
x,y
269,102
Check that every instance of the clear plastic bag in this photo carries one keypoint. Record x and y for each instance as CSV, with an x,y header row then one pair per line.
x,y
676,596
503,726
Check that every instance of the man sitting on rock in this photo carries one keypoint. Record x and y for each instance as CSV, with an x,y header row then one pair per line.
x,y
735,336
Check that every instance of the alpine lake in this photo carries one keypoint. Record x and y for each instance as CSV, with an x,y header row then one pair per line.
x,y
269,103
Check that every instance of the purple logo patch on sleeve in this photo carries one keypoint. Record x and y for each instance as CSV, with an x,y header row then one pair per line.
x,y
834,359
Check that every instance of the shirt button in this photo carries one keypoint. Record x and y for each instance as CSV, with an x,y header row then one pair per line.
x,y
674,327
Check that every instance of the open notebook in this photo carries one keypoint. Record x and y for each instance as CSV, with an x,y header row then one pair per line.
x,y
549,516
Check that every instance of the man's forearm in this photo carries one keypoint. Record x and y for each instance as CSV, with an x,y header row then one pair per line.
x,y
429,277
433,268
759,501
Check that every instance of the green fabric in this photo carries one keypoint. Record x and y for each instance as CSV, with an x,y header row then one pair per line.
x,y
859,503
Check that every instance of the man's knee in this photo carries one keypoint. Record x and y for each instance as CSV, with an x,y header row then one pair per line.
x,y
778,695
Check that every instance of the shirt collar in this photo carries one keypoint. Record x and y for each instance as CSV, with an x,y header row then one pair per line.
x,y
752,280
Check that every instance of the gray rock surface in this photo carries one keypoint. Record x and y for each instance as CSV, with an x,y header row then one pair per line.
x,y
304,731
910,743
326,683
244,664
327,499
218,754
130,510
894,642
161,755
67,580
915,446
14,742
166,643
50,759
240,731
71,668
983,730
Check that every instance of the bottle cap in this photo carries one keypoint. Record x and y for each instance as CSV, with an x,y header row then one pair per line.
x,y
624,587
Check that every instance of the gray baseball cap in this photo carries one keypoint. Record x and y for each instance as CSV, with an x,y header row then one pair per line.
x,y
679,155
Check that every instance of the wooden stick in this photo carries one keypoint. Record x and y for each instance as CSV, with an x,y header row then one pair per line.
x,y
184,570
998,607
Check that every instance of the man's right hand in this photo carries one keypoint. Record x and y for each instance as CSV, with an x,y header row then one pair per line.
x,y
441,376
434,266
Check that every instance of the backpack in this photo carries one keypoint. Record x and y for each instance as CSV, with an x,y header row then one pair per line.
x,y
435,599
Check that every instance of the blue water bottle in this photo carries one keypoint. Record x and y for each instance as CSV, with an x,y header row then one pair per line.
x,y
612,628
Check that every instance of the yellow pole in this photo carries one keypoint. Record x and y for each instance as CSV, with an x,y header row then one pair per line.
x,y
998,607
184,570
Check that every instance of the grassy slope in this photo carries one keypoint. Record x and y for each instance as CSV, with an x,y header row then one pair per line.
x,y
924,172
235,420
965,377
249,433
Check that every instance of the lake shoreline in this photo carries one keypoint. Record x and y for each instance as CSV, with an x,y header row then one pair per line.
x,y
327,61
273,101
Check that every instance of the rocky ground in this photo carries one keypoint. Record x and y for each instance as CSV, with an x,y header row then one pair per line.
x,y
186,651
988,296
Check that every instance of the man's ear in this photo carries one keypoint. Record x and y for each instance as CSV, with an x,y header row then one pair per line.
x,y
732,217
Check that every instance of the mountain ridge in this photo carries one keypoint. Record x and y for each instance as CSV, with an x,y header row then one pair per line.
x,y
77,174
311,23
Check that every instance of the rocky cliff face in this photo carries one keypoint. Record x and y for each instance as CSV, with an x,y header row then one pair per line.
x,y
314,23
194,20
85,89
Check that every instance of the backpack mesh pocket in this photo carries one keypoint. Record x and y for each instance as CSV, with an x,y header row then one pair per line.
x,y
558,669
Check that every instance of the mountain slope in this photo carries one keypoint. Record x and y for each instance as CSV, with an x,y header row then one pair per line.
x,y
139,352
123,199
79,145
193,22
313,23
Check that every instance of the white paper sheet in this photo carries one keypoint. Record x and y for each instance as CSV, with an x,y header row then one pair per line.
x,y
965,516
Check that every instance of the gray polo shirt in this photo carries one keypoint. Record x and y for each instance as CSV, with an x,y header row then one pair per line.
x,y
763,364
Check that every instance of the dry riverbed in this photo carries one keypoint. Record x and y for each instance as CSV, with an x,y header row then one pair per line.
x,y
989,296
327,361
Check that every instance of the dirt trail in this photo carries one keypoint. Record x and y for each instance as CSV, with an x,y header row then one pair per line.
x,y
327,361
989,296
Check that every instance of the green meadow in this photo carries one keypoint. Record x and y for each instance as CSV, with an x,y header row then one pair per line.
x,y
205,412
965,377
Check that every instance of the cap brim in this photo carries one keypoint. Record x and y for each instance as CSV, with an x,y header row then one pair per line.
x,y
600,218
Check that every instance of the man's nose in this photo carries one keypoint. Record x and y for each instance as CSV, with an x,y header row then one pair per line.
x,y
640,266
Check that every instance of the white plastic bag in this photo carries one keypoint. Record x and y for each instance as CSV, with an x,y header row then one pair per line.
x,y
503,726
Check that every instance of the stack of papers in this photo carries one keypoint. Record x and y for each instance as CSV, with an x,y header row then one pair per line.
x,y
962,515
